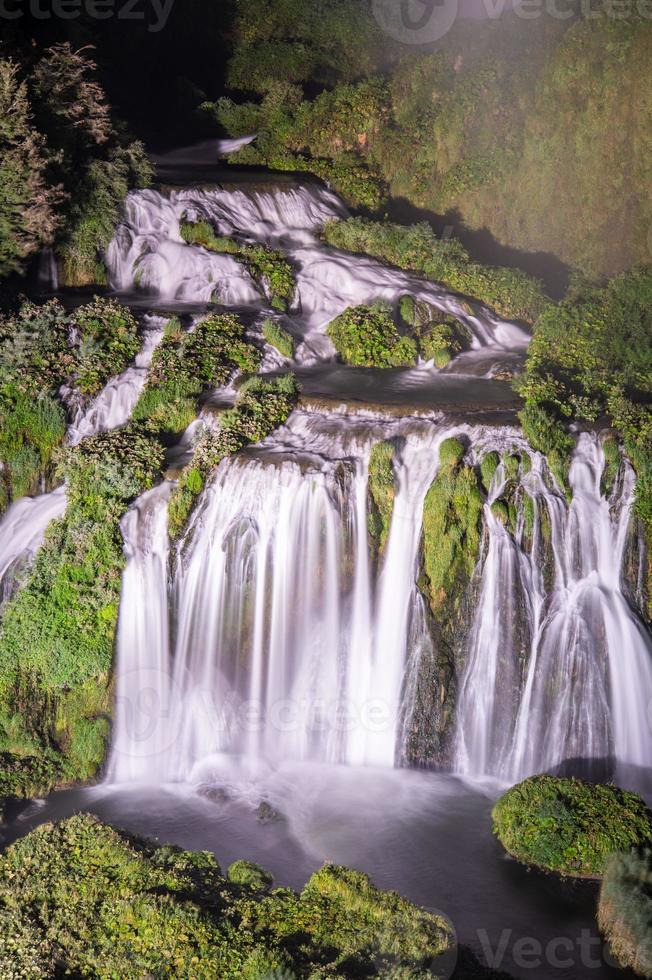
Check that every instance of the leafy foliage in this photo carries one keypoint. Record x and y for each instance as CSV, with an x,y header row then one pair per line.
x,y
507,126
625,909
569,826
84,898
28,218
366,336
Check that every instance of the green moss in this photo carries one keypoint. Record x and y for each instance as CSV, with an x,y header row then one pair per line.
x,y
625,909
500,511
81,897
382,491
611,450
529,514
569,826
279,338
108,342
451,532
261,407
488,466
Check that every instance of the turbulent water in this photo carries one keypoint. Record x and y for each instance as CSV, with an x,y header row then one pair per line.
x,y
559,663
288,642
149,253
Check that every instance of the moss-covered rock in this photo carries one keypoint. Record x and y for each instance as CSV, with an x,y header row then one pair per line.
x,y
82,898
625,909
569,826
452,523
382,491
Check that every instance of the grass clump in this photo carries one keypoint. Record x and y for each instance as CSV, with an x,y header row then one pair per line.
x,y
366,336
625,909
265,265
108,341
569,826
85,899
452,516
279,338
382,491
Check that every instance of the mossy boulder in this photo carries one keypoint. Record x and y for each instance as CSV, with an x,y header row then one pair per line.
x,y
452,524
568,825
625,909
81,898
382,491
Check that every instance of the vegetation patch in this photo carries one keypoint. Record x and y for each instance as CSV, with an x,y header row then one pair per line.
x,y
279,338
569,826
452,524
382,491
265,265
83,898
625,909
261,407
41,349
57,634
366,336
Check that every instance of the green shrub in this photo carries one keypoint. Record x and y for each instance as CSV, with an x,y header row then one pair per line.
x,y
569,826
248,873
625,909
366,336
279,338
108,342
83,898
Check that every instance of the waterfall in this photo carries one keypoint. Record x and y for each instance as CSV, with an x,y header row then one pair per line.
x,y
114,404
558,670
286,642
148,253
285,645
22,530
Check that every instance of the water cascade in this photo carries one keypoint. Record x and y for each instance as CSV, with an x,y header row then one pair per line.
x,y
148,253
559,663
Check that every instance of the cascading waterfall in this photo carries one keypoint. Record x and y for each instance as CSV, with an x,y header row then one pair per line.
x,y
559,670
22,530
149,253
285,646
